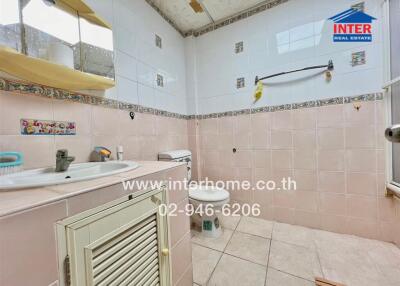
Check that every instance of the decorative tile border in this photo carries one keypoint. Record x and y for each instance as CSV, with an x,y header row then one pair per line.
x,y
47,127
330,101
160,80
221,23
358,58
49,92
233,19
364,97
294,106
158,41
359,6
16,86
239,47
240,82
166,18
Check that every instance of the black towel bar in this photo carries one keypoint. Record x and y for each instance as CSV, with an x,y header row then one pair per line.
x,y
329,67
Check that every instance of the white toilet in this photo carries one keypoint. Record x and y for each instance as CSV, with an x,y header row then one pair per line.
x,y
201,196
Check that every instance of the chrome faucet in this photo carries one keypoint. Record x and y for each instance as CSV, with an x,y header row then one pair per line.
x,y
63,161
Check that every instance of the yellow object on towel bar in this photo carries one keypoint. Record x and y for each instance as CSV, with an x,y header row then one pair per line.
x,y
259,91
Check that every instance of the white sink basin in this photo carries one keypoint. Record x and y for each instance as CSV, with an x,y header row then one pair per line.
x,y
76,172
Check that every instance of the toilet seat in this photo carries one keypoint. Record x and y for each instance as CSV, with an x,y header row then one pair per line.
x,y
208,194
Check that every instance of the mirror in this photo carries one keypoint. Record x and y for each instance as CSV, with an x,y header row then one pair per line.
x,y
53,31
10,32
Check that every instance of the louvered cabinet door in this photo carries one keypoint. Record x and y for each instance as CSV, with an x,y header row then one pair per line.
x,y
122,245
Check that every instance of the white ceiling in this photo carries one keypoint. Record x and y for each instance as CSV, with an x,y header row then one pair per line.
x,y
180,12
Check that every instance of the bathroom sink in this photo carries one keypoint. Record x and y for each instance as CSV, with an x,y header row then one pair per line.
x,y
76,172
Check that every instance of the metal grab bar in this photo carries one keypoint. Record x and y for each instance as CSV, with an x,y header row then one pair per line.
x,y
329,67
392,190
390,83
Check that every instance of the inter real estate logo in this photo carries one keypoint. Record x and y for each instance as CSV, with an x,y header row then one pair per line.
x,y
352,26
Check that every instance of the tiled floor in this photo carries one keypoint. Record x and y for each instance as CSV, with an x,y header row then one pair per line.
x,y
255,252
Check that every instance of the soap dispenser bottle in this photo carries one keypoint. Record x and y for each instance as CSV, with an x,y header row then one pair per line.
x,y
120,153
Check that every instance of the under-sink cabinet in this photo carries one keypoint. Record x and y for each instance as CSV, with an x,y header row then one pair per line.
x,y
124,242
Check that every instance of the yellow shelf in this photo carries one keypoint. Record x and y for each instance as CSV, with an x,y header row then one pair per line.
x,y
86,12
47,73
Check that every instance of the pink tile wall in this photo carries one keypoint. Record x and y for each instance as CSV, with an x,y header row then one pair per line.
x,y
142,138
193,145
335,153
181,258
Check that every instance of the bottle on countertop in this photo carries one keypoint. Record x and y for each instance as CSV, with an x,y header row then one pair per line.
x,y
120,153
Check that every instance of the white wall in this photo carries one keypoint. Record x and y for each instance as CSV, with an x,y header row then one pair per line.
x,y
200,73
138,60
301,31
191,76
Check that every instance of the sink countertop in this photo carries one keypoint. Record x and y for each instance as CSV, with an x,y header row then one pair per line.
x,y
14,201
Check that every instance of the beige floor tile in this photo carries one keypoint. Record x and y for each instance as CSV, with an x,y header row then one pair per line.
x,y
292,234
249,247
334,242
215,243
296,260
357,261
386,257
234,271
390,273
204,261
298,255
353,268
278,278
363,281
255,226
229,222
383,253
352,279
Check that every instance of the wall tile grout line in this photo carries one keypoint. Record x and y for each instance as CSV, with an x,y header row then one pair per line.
x,y
317,171
319,259
184,273
269,253
293,275
346,179
377,171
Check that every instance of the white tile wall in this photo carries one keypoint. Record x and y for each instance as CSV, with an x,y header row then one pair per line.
x,y
200,73
293,35
138,60
191,75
